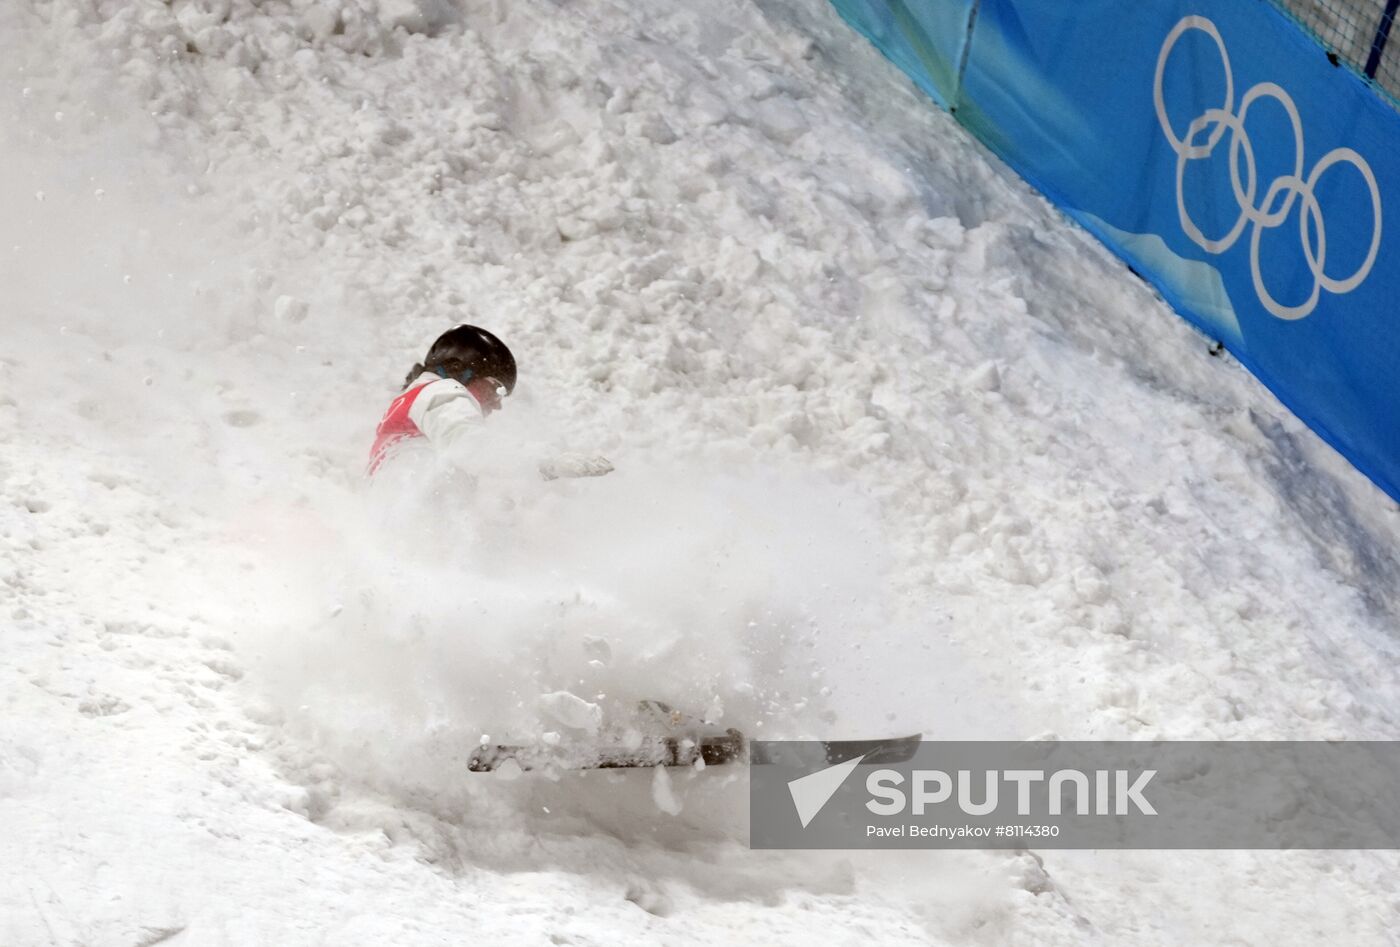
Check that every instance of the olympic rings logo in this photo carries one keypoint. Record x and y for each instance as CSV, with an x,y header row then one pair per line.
x,y
1215,122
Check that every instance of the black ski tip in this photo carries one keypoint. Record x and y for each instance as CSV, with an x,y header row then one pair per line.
x,y
818,753
888,750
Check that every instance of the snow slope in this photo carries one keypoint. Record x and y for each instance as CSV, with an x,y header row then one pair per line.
x,y
897,449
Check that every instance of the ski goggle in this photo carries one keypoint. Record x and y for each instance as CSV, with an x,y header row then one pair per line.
x,y
490,399
467,375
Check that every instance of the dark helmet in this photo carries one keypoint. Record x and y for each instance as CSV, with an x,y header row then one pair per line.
x,y
468,352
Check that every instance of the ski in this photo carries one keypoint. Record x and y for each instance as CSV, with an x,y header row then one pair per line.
x,y
714,750
666,751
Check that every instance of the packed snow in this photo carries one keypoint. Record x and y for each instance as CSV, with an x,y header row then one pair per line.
x,y
897,449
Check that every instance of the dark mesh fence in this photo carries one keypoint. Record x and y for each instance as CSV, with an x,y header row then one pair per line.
x,y
1358,33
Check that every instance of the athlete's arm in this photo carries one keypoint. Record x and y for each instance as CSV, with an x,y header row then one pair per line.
x,y
445,411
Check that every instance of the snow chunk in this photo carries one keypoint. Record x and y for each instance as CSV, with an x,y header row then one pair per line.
x,y
715,712
290,309
649,898
417,16
572,711
318,23
781,120
662,794
985,377
657,129
597,648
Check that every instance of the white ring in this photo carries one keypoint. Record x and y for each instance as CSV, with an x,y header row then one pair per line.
x,y
1207,27
1332,157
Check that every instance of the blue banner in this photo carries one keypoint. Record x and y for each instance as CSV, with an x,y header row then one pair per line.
x,y
1213,146
925,39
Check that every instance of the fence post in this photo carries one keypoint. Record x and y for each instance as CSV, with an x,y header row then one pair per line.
x,y
1373,61
967,48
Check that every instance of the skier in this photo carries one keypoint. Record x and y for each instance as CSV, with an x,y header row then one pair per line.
x,y
461,380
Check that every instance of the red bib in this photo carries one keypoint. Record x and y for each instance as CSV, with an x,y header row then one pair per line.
x,y
395,426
